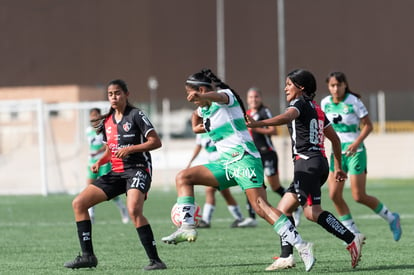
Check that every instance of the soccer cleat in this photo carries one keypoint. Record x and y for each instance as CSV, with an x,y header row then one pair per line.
x,y
125,220
182,234
306,253
248,222
355,249
82,262
203,224
155,264
282,263
235,224
395,227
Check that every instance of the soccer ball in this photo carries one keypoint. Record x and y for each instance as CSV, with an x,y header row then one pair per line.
x,y
175,215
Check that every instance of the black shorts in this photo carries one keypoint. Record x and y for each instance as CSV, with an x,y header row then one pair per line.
x,y
114,184
309,176
270,163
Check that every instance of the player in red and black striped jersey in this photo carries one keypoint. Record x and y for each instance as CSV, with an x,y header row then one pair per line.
x,y
131,130
129,136
308,126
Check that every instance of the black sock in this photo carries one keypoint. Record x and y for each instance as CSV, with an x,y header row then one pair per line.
x,y
250,210
85,236
281,191
332,225
147,239
286,248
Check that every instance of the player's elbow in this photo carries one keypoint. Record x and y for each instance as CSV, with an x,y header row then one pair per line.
x,y
156,144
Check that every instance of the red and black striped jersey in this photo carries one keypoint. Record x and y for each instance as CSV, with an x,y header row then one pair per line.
x,y
131,130
306,131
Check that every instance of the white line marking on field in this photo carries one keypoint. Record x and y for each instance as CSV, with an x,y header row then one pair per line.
x,y
161,221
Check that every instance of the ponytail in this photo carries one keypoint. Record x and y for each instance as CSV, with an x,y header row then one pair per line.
x,y
220,84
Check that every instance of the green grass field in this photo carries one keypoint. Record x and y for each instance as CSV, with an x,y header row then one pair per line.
x,y
38,235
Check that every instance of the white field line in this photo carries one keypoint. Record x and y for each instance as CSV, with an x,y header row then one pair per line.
x,y
160,221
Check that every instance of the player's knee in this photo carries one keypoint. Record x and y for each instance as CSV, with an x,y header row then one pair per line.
x,y
135,212
335,196
359,198
78,205
181,178
310,217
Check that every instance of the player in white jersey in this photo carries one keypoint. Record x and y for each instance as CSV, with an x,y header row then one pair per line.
x,y
203,141
222,115
350,120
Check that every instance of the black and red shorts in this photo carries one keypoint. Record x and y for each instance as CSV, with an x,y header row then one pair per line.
x,y
309,176
114,184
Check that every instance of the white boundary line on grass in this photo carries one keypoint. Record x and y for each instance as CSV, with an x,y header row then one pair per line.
x,y
158,221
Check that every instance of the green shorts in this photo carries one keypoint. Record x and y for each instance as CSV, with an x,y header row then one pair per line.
x,y
104,169
354,165
246,172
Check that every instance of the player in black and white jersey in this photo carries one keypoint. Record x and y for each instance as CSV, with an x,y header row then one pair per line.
x,y
308,125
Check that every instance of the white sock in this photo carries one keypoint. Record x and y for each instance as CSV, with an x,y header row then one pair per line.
x,y
208,210
187,211
383,211
287,231
349,223
235,211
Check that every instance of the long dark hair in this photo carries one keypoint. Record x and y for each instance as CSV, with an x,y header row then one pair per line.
x,y
304,79
341,78
208,79
99,122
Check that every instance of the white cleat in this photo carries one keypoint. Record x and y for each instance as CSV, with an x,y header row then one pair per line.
x,y
282,263
306,253
247,222
182,234
355,249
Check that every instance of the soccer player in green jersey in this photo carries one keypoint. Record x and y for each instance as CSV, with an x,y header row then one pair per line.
x,y
203,141
350,120
222,115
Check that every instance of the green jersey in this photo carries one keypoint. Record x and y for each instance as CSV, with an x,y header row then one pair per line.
x,y
95,143
345,117
227,128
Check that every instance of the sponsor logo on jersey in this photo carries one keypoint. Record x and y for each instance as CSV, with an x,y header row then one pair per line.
x,y
115,147
108,130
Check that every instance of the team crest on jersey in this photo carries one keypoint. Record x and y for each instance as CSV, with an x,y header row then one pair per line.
x,y
345,110
126,126
108,130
